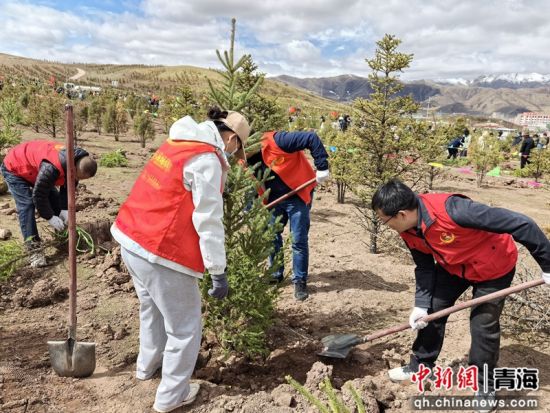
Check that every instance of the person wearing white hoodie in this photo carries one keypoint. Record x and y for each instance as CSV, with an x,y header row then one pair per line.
x,y
170,230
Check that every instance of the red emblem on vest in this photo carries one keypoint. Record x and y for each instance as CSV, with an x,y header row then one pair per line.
x,y
447,237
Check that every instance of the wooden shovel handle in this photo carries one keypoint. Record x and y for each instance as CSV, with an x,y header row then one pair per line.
x,y
457,307
70,182
289,194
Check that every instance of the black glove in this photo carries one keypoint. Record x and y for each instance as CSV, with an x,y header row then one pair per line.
x,y
220,288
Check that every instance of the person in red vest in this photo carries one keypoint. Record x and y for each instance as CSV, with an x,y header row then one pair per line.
x,y
457,243
170,229
283,152
32,171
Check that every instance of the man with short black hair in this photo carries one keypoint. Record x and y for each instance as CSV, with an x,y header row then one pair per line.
x,y
457,243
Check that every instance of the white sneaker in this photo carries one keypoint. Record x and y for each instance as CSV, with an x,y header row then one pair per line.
x,y
38,260
193,391
490,401
400,373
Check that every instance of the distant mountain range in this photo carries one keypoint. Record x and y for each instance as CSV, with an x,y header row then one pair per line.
x,y
503,95
506,80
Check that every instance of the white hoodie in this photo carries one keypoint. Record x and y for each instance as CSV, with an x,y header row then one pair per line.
x,y
203,175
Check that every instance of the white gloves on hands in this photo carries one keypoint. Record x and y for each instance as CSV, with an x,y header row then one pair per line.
x,y
322,176
64,215
417,313
546,277
57,223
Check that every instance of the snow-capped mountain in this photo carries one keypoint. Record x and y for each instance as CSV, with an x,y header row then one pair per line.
x,y
514,78
504,80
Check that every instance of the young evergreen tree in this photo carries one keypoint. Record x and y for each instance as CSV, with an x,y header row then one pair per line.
x,y
95,113
384,129
10,117
432,144
485,154
342,152
240,321
115,119
144,128
51,113
539,165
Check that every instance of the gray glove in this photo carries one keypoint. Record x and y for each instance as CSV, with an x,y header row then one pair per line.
x,y
219,288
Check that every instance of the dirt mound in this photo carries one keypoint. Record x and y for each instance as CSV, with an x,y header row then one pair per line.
x,y
43,293
112,269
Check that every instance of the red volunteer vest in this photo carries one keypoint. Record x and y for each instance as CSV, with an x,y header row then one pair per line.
x,y
158,212
293,168
476,255
24,159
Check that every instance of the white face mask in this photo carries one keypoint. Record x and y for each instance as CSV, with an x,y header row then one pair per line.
x,y
228,155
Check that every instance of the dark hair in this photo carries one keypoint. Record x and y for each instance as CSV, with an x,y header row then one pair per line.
x,y
87,165
215,113
394,196
466,131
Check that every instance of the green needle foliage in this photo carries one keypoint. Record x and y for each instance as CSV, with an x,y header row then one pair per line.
x,y
385,130
241,320
10,116
11,253
335,403
229,96
485,154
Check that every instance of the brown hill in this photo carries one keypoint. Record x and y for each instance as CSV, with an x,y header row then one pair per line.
x,y
156,79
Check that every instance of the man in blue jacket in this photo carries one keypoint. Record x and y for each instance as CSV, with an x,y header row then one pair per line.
x,y
283,152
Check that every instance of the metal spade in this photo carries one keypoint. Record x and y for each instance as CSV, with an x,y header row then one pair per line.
x,y
339,345
70,358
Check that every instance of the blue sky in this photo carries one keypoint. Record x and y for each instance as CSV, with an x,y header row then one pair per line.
x,y
303,38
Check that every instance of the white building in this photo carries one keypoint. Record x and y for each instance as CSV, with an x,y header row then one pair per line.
x,y
533,120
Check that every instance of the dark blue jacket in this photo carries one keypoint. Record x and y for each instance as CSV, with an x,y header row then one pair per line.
x,y
292,142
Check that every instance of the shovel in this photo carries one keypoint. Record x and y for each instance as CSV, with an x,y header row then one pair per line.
x,y
289,194
339,345
71,358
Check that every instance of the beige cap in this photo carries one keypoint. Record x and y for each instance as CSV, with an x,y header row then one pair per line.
x,y
238,124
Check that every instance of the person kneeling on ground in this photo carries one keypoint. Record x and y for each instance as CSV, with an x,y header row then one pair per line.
x,y
457,243
32,171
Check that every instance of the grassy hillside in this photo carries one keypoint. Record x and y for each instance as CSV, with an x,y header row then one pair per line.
x,y
160,80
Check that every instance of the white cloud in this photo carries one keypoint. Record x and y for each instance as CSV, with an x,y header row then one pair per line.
x,y
305,38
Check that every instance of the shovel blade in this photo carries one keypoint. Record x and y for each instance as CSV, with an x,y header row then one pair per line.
x,y
71,358
339,345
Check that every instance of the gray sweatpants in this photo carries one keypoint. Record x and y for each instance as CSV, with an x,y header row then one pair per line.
x,y
170,326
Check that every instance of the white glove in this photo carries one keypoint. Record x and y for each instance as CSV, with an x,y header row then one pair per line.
x,y
57,223
322,176
417,313
64,215
546,277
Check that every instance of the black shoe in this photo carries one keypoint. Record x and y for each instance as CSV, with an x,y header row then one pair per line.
x,y
300,291
276,280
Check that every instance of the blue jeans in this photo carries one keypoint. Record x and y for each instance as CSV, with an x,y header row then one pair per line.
x,y
21,191
295,211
